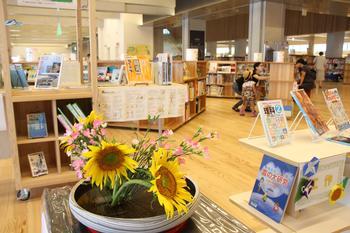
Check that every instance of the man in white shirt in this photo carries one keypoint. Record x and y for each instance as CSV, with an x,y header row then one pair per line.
x,y
320,65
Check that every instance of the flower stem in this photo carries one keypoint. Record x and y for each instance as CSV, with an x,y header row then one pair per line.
x,y
115,198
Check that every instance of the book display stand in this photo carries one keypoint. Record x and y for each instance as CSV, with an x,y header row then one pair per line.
x,y
320,216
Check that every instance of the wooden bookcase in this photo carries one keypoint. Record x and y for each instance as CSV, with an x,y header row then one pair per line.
x,y
219,80
346,74
193,75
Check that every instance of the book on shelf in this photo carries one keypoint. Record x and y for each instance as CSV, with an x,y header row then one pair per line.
x,y
138,69
37,164
73,111
63,122
162,69
272,188
78,110
36,124
191,91
313,118
274,122
215,90
213,67
18,77
64,117
101,73
336,107
200,88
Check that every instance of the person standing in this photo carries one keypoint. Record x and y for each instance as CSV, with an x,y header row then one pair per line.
x,y
305,77
320,65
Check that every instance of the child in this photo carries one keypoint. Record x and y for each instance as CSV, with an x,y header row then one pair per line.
x,y
248,95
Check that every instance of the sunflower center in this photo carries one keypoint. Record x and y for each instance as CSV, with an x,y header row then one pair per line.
x,y
110,158
166,183
336,194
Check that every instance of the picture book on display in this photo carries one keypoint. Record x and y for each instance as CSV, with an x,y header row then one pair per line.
x,y
336,107
313,118
273,187
37,127
37,164
49,72
274,121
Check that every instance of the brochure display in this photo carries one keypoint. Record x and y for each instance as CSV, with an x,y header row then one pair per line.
x,y
272,187
49,72
335,106
313,118
131,103
274,122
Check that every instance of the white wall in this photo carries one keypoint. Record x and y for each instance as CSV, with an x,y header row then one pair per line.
x,y
20,50
134,33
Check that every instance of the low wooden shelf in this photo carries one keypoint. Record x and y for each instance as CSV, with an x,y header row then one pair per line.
x,y
25,140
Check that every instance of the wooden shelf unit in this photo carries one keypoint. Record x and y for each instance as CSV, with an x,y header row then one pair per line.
x,y
55,158
346,74
188,73
220,79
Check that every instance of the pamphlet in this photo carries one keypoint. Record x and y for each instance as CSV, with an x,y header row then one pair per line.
x,y
49,72
313,118
273,187
274,121
37,164
37,127
336,107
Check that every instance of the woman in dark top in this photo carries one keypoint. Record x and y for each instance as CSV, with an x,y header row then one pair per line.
x,y
305,77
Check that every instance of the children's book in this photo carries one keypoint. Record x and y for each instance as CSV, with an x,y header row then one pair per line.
x,y
37,127
274,121
37,164
273,187
335,106
313,118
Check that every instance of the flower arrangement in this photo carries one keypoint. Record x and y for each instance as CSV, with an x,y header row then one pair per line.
x,y
121,169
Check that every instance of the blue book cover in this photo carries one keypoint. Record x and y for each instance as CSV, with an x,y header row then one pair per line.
x,y
37,127
273,187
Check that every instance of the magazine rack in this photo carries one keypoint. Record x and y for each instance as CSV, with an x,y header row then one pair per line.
x,y
296,122
321,217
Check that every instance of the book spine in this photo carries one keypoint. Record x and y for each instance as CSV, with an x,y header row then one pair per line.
x,y
72,110
78,110
65,118
63,122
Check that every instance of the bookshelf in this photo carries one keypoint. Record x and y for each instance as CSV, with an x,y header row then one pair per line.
x,y
220,79
346,74
340,69
191,74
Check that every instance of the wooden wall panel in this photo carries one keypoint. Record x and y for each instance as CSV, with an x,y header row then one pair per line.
x,y
296,24
228,28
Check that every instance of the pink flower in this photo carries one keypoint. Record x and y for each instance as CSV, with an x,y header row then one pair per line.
x,y
78,164
181,160
103,132
79,174
152,142
92,142
86,133
167,146
167,133
206,152
93,132
68,132
74,135
78,126
193,144
178,151
70,141
97,123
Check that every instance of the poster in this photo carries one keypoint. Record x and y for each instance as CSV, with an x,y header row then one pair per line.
x,y
274,122
131,103
329,172
272,188
335,106
49,72
313,118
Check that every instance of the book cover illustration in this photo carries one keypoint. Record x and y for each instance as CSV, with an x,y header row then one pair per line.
x,y
37,164
274,121
316,179
49,72
312,116
336,107
102,73
342,139
37,127
272,187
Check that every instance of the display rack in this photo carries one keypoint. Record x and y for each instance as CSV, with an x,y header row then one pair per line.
x,y
20,102
317,218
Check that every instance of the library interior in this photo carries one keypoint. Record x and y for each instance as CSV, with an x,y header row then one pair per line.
x,y
174,116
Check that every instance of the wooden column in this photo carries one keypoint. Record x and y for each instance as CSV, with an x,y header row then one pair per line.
x,y
93,51
79,40
5,60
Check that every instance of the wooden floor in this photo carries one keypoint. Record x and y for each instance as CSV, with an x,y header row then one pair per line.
x,y
231,168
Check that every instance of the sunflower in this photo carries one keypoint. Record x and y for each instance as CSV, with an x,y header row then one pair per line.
x,y
108,161
169,184
336,193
